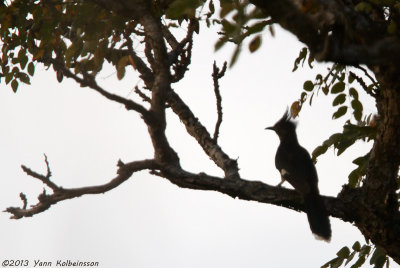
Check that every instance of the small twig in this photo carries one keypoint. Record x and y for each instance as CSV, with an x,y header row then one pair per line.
x,y
149,52
169,37
142,95
44,178
362,84
88,81
24,200
218,74
47,167
376,84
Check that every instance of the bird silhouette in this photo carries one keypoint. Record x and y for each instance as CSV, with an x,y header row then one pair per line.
x,y
295,166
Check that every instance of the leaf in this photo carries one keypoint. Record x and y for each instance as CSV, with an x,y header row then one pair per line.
x,y
356,246
14,85
318,79
22,58
257,27
220,43
358,109
337,263
303,97
350,258
325,90
60,76
343,253
228,27
359,262
353,93
338,87
295,109
319,151
340,112
211,7
271,30
302,57
31,68
23,77
122,62
365,250
380,261
351,78
308,85
38,54
255,44
235,56
378,253
340,99
9,77
311,98
181,8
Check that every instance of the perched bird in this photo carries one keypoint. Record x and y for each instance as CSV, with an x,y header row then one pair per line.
x,y
295,165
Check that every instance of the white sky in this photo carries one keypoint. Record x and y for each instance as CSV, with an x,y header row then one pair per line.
x,y
147,221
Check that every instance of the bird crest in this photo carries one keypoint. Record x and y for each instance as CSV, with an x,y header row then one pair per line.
x,y
285,122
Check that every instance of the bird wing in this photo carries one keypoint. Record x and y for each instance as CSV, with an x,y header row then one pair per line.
x,y
297,168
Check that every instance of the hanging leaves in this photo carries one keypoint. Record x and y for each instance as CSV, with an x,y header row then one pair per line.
x,y
255,44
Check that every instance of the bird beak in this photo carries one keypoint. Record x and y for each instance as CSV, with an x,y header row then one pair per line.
x,y
270,128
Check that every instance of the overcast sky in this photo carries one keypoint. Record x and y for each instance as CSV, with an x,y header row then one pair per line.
x,y
147,221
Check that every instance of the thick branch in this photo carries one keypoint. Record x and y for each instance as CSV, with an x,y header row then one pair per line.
x,y
200,133
161,85
335,31
342,208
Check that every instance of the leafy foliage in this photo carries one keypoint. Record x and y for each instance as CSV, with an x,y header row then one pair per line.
x,y
37,31
240,20
378,258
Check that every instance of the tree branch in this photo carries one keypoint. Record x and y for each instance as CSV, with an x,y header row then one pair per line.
x,y
89,81
342,208
124,172
200,133
160,87
216,75
335,31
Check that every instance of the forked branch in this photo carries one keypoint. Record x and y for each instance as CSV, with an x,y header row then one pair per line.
x,y
46,200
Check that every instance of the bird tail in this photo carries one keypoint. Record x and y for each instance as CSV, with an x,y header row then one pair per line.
x,y
317,216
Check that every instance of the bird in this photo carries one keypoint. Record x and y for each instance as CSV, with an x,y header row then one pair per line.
x,y
295,166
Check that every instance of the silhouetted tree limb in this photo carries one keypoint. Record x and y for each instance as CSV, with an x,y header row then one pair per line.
x,y
332,30
216,75
46,200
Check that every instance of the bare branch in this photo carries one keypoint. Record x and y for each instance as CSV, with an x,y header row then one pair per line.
x,y
200,133
181,53
44,178
142,95
162,85
362,84
216,75
258,191
170,37
24,200
89,81
125,171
